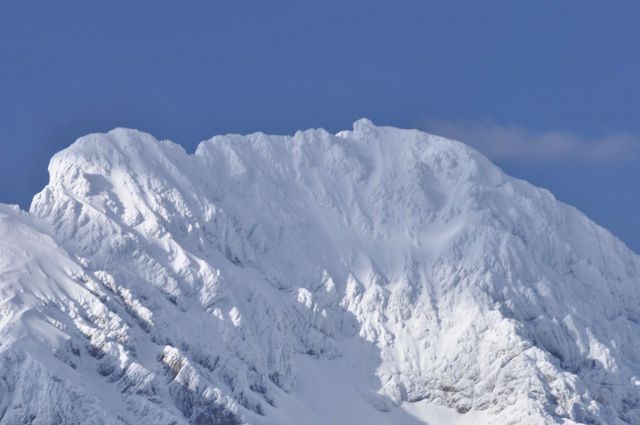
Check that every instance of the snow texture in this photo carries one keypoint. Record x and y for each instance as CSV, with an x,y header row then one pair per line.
x,y
378,276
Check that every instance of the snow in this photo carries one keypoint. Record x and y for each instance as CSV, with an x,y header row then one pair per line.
x,y
374,276
331,392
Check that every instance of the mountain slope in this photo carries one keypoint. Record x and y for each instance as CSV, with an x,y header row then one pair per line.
x,y
227,285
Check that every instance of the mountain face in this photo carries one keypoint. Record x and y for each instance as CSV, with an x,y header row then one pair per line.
x,y
377,276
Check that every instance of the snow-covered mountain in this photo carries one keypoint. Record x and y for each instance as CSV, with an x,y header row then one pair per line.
x,y
375,276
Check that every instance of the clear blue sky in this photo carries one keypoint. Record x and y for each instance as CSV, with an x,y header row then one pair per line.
x,y
555,85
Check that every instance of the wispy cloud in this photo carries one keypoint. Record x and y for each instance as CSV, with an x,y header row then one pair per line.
x,y
514,143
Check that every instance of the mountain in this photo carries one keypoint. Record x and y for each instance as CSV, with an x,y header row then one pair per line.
x,y
377,276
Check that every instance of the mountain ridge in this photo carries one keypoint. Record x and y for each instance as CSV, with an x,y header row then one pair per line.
x,y
405,261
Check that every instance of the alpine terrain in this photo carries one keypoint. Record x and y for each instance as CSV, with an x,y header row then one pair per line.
x,y
375,276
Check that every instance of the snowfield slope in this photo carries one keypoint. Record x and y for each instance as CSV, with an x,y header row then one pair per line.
x,y
378,276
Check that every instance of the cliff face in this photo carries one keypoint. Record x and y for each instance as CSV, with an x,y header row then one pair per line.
x,y
378,273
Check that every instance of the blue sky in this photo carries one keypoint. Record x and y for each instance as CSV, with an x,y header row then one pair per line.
x,y
549,90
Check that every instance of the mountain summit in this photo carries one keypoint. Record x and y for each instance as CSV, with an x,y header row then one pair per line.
x,y
377,276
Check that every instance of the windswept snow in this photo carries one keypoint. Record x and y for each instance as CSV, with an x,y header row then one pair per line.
x,y
377,276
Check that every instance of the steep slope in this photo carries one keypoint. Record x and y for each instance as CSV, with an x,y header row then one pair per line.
x,y
404,266
69,351
52,315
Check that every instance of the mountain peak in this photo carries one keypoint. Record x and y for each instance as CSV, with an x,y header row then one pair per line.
x,y
230,284
363,124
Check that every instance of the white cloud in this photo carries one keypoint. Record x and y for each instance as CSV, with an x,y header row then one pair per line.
x,y
515,143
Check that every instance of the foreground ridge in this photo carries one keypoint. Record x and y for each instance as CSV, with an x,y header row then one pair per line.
x,y
375,276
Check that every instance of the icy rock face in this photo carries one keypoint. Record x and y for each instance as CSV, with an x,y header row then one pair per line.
x,y
182,288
